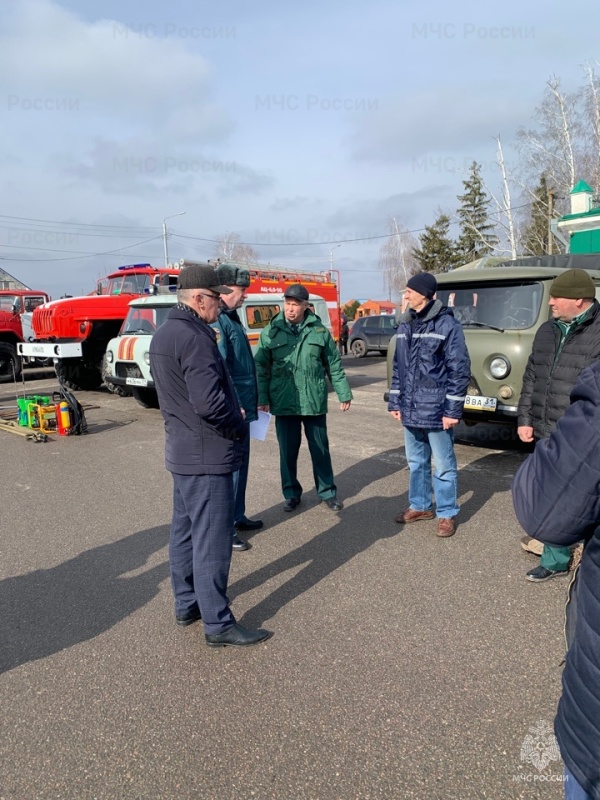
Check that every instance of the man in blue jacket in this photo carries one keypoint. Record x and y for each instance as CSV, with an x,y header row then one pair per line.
x,y
429,382
204,429
235,348
557,500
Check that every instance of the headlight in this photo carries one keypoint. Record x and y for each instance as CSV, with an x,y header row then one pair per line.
x,y
499,367
109,356
147,358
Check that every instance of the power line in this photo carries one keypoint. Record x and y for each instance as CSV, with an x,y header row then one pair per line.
x,y
116,251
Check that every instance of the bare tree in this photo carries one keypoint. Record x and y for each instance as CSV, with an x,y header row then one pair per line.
x,y
229,248
591,101
555,148
396,258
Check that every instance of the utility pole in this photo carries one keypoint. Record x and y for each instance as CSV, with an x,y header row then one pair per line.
x,y
165,235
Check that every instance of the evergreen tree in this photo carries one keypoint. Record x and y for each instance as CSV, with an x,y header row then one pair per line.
x,y
477,237
535,235
437,251
350,309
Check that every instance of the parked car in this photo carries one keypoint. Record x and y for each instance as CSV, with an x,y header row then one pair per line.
x,y
371,333
500,309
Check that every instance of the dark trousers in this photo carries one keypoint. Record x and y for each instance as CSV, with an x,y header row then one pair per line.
x,y
289,436
200,547
240,481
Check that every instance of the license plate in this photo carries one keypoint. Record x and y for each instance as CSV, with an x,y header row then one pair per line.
x,y
475,402
136,382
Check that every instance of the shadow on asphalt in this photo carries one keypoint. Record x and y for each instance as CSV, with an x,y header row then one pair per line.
x,y
49,610
372,519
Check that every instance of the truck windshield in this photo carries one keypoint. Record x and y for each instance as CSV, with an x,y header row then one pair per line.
x,y
7,301
505,305
144,319
127,284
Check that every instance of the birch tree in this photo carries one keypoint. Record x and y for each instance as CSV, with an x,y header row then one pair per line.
x,y
396,258
229,248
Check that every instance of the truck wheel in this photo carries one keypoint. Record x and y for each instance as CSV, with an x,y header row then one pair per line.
x,y
78,375
359,348
120,391
147,398
10,363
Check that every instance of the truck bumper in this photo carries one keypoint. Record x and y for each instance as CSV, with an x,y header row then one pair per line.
x,y
50,349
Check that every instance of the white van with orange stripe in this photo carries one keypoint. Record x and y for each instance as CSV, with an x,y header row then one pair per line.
x,y
127,362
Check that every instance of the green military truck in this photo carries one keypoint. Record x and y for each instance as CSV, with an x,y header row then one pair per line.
x,y
500,309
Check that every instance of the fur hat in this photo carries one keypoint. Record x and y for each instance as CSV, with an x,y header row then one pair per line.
x,y
424,283
201,276
233,276
574,284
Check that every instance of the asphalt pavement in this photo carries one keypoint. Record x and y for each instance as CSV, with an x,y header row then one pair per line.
x,y
401,665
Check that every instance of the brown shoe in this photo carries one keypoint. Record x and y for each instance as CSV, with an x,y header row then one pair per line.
x,y
413,516
446,527
532,545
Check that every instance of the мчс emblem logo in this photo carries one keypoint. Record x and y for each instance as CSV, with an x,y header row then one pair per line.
x,y
540,747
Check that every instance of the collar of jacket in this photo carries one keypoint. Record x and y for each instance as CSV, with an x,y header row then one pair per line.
x,y
183,311
428,313
231,313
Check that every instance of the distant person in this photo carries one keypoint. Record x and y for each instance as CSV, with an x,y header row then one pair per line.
x,y
429,383
235,348
344,332
556,499
562,347
204,429
295,356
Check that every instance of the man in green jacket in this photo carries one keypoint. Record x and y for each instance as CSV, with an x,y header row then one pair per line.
x,y
295,356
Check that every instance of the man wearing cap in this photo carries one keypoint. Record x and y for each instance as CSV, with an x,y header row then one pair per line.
x,y
235,348
204,429
429,383
562,347
295,356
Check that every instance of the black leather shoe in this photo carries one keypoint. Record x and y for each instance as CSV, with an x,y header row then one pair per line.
x,y
237,636
249,525
239,544
334,504
291,503
189,618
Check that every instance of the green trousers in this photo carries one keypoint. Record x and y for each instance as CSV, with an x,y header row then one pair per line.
x,y
556,558
289,436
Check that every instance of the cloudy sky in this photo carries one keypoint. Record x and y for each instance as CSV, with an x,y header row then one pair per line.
x,y
295,126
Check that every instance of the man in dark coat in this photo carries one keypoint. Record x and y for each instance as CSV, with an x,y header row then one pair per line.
x,y
429,383
556,494
562,347
235,348
204,428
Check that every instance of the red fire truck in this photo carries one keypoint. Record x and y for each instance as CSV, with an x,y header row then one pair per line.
x,y
74,331
275,280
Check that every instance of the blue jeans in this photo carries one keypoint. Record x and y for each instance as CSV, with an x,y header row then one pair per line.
x,y
421,444
573,790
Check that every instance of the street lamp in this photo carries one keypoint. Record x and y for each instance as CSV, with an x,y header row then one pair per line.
x,y
165,235
331,256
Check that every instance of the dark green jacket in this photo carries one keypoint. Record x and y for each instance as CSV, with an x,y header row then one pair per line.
x,y
235,348
292,371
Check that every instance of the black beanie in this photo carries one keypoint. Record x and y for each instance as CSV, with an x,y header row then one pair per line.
x,y
424,283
